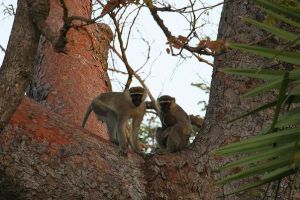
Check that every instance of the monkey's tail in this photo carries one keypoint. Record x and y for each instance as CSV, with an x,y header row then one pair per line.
x,y
87,114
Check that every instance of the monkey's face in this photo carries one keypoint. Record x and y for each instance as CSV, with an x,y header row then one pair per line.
x,y
165,103
136,99
165,106
137,95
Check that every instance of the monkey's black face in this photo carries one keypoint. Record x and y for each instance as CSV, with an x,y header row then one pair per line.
x,y
165,107
136,99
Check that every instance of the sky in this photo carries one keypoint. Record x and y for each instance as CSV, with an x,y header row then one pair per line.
x,y
163,74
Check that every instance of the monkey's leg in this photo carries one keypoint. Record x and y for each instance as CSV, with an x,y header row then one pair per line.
x,y
108,116
161,138
111,123
121,136
176,141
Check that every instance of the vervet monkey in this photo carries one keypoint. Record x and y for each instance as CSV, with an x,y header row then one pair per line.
x,y
115,109
176,125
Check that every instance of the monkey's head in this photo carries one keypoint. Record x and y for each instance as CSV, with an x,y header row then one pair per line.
x,y
138,95
166,103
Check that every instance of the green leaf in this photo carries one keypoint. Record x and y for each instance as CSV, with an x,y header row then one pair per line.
x,y
264,155
261,168
280,99
296,90
262,182
249,148
247,187
288,119
283,18
286,56
283,10
265,74
266,106
276,31
294,75
263,88
266,139
277,173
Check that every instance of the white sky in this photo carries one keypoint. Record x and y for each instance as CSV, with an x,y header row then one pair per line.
x,y
164,74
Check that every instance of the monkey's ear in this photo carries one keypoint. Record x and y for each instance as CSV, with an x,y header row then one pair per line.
x,y
173,99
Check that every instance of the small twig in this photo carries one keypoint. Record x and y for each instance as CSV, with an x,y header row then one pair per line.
x,y
123,54
138,78
168,33
260,40
118,71
2,48
200,59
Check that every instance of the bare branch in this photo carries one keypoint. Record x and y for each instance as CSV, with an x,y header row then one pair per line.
x,y
200,59
2,48
118,71
168,34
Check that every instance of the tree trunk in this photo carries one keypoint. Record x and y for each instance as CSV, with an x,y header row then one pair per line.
x,y
67,83
16,70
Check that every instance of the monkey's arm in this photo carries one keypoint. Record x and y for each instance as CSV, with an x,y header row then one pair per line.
x,y
87,114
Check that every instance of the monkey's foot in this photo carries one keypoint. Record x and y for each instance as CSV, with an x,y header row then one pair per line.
x,y
123,151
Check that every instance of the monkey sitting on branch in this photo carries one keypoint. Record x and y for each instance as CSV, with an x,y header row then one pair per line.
x,y
176,127
115,109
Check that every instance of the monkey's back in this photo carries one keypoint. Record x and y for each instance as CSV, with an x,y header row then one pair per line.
x,y
183,118
113,100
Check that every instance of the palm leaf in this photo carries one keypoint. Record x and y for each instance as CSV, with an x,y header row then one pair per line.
x,y
262,139
261,156
288,119
263,88
276,31
266,106
283,10
256,170
283,173
281,55
283,18
265,74
294,74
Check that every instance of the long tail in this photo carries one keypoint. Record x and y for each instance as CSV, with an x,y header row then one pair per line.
x,y
87,114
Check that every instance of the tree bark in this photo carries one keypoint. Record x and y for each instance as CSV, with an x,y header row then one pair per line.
x,y
45,156
16,70
67,83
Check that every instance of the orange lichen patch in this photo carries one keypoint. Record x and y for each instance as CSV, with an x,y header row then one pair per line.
x,y
50,135
29,117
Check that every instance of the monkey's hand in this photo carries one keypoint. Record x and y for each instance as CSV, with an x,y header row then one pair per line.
x,y
123,151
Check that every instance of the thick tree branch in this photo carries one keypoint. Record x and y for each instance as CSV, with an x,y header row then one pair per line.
x,y
16,70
